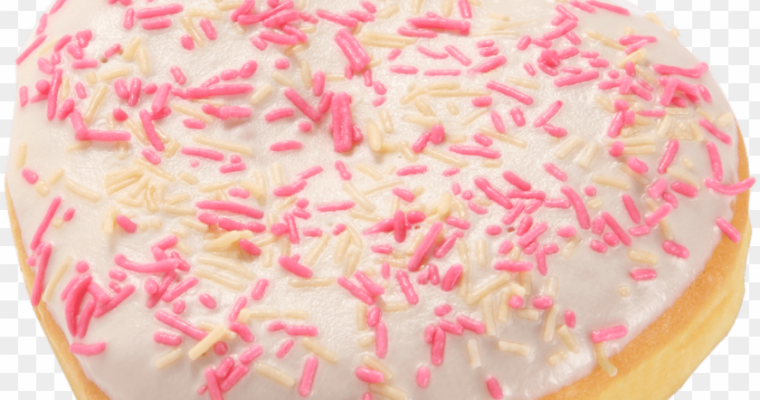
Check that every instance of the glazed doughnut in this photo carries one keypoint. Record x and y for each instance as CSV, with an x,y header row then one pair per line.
x,y
380,199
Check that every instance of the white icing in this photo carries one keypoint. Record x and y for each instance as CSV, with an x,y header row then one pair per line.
x,y
588,281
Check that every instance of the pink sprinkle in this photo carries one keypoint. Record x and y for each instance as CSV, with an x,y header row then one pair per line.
x,y
381,340
524,42
88,349
432,54
208,301
337,206
406,287
471,324
598,246
403,69
356,291
730,190
580,207
307,376
507,91
463,27
442,310
498,123
575,79
438,347
566,231
732,233
643,274
715,131
705,93
35,44
482,140
637,165
555,171
251,354
609,7
412,170
494,388
684,189
482,101
301,330
570,319
30,176
369,375
608,334
513,266
633,212
350,46
475,151
286,145
423,376
458,55
178,307
715,161
493,194
656,189
157,23
488,65
668,157
284,348
451,278
126,223
342,171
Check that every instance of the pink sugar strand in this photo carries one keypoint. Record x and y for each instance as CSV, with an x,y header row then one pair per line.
x,y
715,131
730,190
308,375
229,206
45,223
294,267
458,55
426,245
180,325
494,388
729,230
715,162
609,7
656,216
423,376
576,79
150,130
610,220
39,277
643,274
510,92
87,349
201,152
675,249
352,49
488,65
580,208
463,27
667,158
513,266
167,339
32,47
605,335
406,287
369,375
544,118
155,24
438,347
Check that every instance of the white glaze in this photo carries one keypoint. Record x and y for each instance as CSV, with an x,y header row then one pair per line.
x,y
588,281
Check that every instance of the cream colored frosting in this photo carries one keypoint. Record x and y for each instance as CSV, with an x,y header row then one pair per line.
x,y
589,283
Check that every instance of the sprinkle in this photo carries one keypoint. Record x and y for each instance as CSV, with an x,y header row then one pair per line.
x,y
294,267
675,249
507,91
548,114
605,335
575,79
494,388
732,233
715,131
88,349
488,65
580,208
643,274
463,27
730,190
457,55
352,49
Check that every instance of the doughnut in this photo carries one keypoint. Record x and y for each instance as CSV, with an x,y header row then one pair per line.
x,y
376,199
